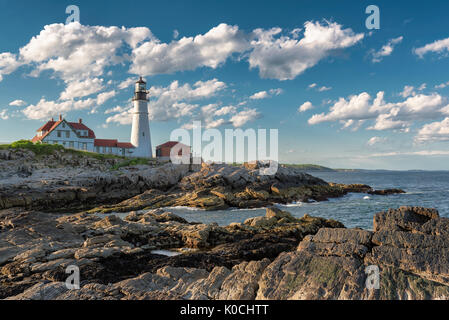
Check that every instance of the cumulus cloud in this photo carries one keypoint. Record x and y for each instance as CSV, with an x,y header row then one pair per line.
x,y
386,116
82,88
442,85
247,115
45,109
8,64
305,106
407,92
174,101
105,96
264,94
75,51
439,46
435,131
127,83
284,57
18,103
386,50
188,53
319,88
114,110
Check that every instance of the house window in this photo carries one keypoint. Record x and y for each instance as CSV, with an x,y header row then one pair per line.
x,y
59,134
67,134
143,134
71,144
84,146
63,125
110,150
97,149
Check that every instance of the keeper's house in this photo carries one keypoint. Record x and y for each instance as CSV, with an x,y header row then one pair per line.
x,y
76,135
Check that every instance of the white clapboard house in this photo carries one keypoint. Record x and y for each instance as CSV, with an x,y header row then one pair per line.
x,y
76,135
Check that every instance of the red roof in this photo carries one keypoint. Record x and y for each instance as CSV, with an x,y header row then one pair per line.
x,y
76,126
170,144
51,125
112,143
126,145
82,126
47,126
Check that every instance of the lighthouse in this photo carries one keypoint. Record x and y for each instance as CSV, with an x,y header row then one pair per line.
x,y
140,133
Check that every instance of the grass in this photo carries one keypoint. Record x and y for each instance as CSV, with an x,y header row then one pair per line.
x,y
132,162
43,149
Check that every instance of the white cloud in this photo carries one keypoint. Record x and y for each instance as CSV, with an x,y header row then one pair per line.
x,y
18,103
437,46
226,110
407,92
435,131
386,50
285,57
105,96
45,109
4,115
375,140
75,51
259,95
114,110
425,153
174,101
247,115
82,88
8,63
324,88
313,85
188,53
442,85
265,94
305,106
175,34
398,115
127,83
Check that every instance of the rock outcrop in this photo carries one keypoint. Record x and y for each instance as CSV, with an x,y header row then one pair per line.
x,y
409,246
282,257
37,247
64,181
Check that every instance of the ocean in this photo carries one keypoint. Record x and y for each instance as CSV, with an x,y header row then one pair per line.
x,y
424,188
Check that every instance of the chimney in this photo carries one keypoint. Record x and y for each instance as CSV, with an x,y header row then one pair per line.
x,y
60,117
80,120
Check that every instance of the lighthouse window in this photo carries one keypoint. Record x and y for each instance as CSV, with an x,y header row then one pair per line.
x,y
143,134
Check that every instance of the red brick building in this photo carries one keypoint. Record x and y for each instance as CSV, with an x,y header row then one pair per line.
x,y
164,150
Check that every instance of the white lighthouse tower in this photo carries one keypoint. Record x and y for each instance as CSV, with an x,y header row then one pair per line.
x,y
140,133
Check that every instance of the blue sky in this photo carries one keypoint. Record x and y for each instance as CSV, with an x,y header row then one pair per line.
x,y
370,98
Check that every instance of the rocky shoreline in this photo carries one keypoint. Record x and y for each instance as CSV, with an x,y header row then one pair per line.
x,y
53,217
74,183
272,257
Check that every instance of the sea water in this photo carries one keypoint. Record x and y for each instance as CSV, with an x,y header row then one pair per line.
x,y
424,188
